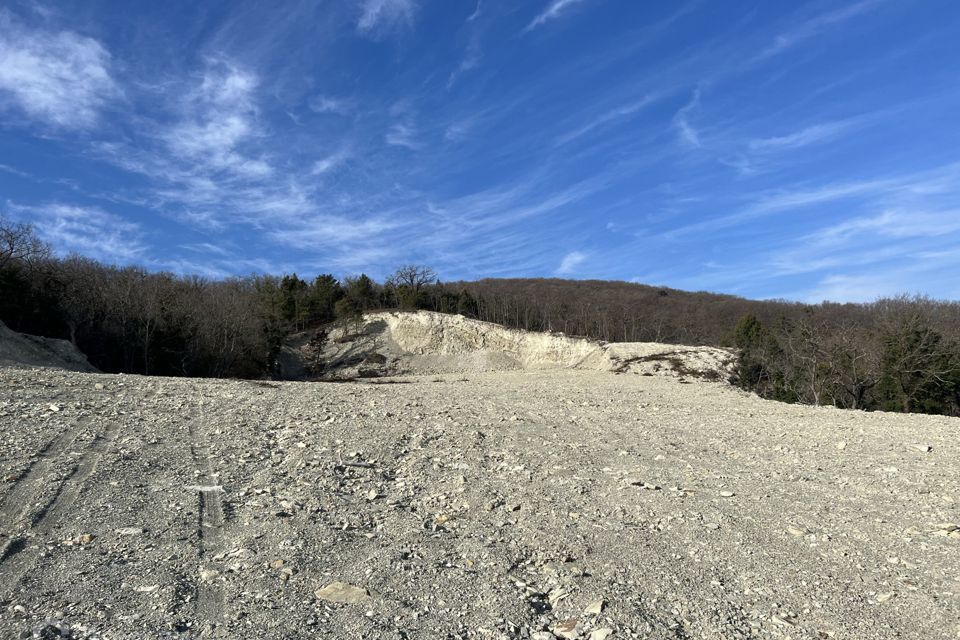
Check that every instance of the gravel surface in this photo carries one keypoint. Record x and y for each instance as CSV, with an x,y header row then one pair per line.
x,y
548,504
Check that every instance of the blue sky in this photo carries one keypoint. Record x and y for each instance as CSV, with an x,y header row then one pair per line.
x,y
803,150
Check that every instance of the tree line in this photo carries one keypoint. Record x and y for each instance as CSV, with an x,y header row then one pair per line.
x,y
892,357
127,319
895,354
900,354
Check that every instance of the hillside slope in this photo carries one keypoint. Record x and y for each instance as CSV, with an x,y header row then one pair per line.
x,y
423,342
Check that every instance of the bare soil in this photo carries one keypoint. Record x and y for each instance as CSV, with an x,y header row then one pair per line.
x,y
523,504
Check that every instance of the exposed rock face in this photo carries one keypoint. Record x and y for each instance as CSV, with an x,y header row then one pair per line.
x,y
21,349
426,333
422,342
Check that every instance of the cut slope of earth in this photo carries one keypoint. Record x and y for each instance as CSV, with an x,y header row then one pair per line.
x,y
21,349
510,505
394,343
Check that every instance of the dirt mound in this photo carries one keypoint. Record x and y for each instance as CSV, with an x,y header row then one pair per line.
x,y
399,343
20,349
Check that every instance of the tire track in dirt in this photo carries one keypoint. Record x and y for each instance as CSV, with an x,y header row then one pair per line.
x,y
19,556
210,599
26,486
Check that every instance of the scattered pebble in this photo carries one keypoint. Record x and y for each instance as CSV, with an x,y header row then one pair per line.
x,y
130,531
343,593
206,575
569,629
594,607
782,621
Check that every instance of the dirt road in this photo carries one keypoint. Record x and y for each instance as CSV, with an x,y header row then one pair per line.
x,y
507,505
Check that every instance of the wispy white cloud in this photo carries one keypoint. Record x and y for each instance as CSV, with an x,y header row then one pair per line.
x,y
14,171
863,273
486,233
329,230
903,191
476,12
208,167
402,135
688,134
365,258
500,207
218,117
889,241
331,162
378,17
206,248
815,26
744,164
570,263
458,131
785,200
471,60
187,267
618,113
201,170
759,154
551,12
89,231
331,104
852,288
897,224
59,78
809,135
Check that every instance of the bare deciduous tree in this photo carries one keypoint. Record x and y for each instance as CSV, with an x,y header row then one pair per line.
x,y
19,243
408,281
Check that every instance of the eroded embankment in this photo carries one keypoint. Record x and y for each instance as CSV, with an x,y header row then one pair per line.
x,y
395,343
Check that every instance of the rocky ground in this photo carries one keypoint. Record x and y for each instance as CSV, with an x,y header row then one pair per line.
x,y
550,504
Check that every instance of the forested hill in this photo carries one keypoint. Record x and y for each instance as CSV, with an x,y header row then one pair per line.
x,y
617,311
628,312
900,354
